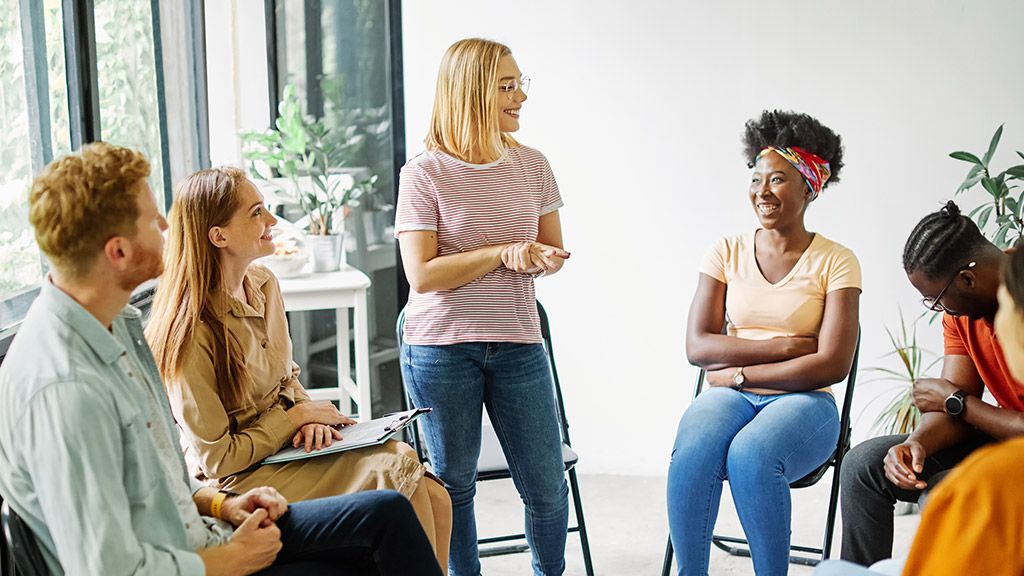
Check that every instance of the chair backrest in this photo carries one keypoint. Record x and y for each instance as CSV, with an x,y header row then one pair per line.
x,y
845,422
545,333
413,437
26,559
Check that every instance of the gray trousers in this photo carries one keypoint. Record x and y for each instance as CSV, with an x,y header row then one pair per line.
x,y
868,497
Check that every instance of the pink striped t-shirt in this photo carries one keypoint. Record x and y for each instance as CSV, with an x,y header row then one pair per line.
x,y
471,206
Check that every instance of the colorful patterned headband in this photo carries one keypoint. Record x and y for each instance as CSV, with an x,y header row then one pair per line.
x,y
814,170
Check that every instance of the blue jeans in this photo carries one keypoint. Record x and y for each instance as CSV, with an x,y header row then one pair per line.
x,y
366,533
514,382
761,443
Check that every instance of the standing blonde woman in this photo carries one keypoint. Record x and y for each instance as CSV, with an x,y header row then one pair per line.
x,y
477,221
220,338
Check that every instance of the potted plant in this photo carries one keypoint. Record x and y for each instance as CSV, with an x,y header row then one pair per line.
x,y
307,156
900,415
1008,209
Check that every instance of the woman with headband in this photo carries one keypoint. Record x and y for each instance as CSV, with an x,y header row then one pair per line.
x,y
788,299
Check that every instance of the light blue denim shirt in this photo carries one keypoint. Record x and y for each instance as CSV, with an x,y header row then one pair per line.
x,y
76,460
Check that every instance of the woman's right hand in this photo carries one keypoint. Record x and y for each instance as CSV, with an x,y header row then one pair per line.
x,y
315,436
321,412
533,257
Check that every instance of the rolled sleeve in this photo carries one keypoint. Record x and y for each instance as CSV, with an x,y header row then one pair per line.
x,y
199,410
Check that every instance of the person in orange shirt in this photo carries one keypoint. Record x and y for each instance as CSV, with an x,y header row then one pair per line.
x,y
957,271
973,521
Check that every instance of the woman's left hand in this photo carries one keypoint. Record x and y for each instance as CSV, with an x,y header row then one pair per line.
x,y
315,436
720,378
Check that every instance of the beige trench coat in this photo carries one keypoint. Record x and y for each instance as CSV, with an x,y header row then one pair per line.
x,y
223,447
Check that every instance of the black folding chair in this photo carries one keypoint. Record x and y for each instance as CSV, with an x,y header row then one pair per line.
x,y
493,466
24,557
739,546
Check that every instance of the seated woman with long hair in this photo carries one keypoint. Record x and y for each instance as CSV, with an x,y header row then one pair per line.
x,y
220,338
789,299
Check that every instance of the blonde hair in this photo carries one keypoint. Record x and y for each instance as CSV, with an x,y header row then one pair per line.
x,y
185,296
466,109
81,200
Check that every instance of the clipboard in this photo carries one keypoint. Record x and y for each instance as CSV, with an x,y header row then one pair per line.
x,y
358,435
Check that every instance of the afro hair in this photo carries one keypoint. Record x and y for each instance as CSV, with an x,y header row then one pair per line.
x,y
789,129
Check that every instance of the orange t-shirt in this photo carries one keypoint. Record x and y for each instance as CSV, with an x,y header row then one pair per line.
x,y
973,522
977,339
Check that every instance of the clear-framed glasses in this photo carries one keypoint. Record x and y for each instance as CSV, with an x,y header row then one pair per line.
x,y
509,87
934,304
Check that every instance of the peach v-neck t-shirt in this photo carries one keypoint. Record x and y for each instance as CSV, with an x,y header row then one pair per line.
x,y
757,309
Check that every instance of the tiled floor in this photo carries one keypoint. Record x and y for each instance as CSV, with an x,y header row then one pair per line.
x,y
628,528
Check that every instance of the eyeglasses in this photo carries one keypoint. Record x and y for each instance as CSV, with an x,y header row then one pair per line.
x,y
934,304
509,87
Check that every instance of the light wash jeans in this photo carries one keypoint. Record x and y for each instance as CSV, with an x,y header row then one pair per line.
x,y
514,382
762,443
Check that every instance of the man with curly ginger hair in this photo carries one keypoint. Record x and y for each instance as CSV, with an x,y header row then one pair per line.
x,y
89,454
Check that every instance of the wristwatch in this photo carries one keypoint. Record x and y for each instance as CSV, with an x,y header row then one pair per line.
x,y
956,404
738,379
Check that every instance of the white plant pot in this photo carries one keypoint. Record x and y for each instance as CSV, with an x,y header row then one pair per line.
x,y
327,251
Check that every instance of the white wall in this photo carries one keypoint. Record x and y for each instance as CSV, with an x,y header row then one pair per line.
x,y
639,107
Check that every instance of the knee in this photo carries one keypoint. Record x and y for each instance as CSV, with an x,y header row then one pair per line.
x,y
550,501
390,504
866,461
753,459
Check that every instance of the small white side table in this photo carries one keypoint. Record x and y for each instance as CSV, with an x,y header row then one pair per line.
x,y
338,290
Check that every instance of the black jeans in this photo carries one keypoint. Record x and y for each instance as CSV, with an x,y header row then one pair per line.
x,y
868,497
372,533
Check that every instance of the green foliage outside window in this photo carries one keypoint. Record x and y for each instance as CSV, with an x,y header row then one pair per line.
x,y
19,259
129,106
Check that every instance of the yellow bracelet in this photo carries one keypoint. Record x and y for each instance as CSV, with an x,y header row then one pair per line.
x,y
215,505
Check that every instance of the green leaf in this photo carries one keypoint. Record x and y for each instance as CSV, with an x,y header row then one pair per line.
x,y
1011,205
1016,171
1019,153
1000,238
985,215
966,157
992,146
992,187
967,184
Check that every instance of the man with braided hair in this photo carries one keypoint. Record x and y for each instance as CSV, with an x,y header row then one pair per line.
x,y
957,271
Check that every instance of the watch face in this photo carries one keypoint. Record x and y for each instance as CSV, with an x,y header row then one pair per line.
x,y
954,405
737,379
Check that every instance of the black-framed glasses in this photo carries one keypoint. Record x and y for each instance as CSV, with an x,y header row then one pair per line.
x,y
509,87
934,304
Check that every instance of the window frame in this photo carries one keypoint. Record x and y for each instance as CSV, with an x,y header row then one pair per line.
x,y
83,102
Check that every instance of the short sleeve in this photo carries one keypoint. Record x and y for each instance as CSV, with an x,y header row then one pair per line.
x,y
551,198
417,200
843,271
714,260
953,339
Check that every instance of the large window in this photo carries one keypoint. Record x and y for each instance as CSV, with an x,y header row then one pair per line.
x,y
78,71
34,122
343,56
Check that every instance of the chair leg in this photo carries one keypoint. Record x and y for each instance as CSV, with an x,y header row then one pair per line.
x,y
578,505
666,568
833,505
